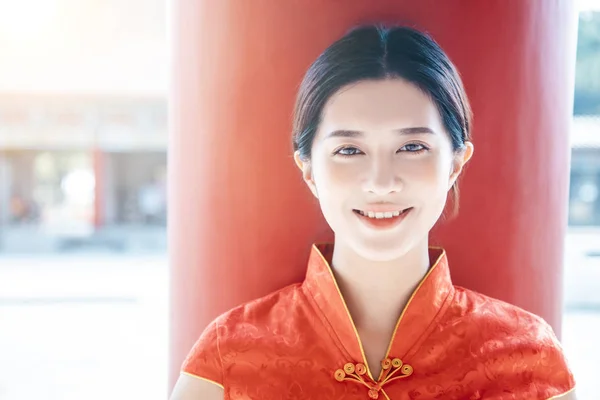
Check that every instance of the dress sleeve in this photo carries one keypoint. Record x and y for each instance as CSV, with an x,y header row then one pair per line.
x,y
552,375
535,364
204,359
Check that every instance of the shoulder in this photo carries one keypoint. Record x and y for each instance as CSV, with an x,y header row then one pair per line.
x,y
488,311
497,321
245,324
264,317
517,350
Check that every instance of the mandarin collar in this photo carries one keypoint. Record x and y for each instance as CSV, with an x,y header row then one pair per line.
x,y
419,315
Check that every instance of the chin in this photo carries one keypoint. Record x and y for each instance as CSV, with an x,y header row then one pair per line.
x,y
382,251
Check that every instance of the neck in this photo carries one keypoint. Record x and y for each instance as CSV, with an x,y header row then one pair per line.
x,y
377,292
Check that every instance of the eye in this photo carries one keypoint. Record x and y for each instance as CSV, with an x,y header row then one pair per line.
x,y
414,148
348,151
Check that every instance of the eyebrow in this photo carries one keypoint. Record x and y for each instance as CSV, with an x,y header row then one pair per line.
x,y
402,131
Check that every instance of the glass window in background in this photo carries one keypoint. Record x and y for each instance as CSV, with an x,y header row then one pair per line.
x,y
581,324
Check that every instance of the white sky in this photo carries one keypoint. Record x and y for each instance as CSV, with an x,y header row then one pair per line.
x,y
85,46
91,46
588,5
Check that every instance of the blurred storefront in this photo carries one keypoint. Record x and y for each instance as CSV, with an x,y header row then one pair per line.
x,y
90,172
584,204
83,173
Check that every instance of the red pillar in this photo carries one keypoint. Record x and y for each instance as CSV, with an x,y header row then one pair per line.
x,y
241,220
99,165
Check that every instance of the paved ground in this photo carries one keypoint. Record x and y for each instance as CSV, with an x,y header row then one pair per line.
x,y
94,327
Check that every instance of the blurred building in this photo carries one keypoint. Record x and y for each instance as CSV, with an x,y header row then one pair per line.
x,y
83,125
82,171
584,201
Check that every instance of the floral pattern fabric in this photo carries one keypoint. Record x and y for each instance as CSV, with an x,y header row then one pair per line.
x,y
449,343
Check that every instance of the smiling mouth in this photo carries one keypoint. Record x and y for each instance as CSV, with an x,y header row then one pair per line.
x,y
382,215
382,220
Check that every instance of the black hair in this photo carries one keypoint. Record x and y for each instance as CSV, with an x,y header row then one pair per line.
x,y
376,52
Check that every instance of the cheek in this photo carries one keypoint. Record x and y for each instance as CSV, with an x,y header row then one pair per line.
x,y
430,174
335,177
336,183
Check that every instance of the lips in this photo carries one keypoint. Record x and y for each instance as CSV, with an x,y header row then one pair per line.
x,y
381,214
382,219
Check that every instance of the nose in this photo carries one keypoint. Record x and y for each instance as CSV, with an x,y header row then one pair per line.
x,y
383,177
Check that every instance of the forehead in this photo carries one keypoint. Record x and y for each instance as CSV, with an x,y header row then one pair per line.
x,y
380,105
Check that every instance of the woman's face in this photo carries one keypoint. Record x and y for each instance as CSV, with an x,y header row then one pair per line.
x,y
382,165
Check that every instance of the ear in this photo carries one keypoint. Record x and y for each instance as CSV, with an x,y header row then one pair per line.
x,y
307,174
460,159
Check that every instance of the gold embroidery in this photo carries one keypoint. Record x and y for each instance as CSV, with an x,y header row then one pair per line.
x,y
204,379
356,373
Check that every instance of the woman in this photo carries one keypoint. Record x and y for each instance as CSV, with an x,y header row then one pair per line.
x,y
381,135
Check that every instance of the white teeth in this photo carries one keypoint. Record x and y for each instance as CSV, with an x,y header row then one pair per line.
x,y
380,215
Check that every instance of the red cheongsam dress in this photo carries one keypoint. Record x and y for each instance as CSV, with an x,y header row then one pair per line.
x,y
449,343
